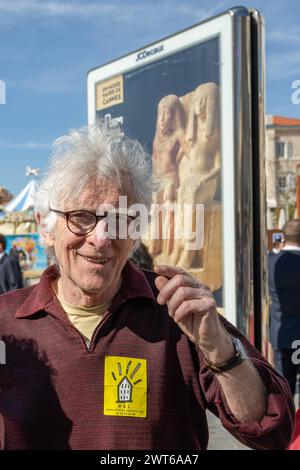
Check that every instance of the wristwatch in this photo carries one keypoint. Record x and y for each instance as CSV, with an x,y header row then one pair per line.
x,y
239,357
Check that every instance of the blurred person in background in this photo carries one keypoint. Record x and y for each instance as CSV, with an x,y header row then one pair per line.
x,y
284,290
10,271
278,244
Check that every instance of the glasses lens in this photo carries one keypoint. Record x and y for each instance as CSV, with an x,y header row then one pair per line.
x,y
81,222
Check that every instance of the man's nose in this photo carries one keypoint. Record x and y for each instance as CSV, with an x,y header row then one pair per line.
x,y
100,236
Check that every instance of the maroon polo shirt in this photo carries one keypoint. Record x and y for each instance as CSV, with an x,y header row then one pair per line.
x,y
52,385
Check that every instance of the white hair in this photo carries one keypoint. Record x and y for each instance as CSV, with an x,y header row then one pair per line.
x,y
85,155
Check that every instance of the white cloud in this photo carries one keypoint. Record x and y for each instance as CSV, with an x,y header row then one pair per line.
x,y
283,65
54,79
26,145
35,145
71,78
199,13
21,7
118,11
281,36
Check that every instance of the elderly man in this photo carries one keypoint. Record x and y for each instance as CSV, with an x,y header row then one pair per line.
x,y
103,355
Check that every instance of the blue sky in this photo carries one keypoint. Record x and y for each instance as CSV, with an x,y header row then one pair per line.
x,y
47,47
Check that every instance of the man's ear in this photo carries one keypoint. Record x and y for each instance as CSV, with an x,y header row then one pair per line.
x,y
48,237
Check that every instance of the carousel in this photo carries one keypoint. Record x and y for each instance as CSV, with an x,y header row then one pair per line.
x,y
16,214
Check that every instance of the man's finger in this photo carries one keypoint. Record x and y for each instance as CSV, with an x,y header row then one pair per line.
x,y
181,295
200,307
160,282
173,284
169,271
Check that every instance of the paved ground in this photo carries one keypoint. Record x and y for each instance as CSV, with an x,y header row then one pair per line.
x,y
219,438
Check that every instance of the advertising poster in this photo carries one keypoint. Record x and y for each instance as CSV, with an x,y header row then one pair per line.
x,y
32,256
172,106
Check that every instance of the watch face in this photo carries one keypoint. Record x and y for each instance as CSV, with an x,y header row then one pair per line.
x,y
240,348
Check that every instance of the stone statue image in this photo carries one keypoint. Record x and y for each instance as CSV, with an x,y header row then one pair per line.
x,y
168,141
200,171
200,180
167,144
186,156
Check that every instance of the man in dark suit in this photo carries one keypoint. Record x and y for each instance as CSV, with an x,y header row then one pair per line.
x,y
284,288
10,271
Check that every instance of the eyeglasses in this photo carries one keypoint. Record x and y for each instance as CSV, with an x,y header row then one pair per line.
x,y
82,222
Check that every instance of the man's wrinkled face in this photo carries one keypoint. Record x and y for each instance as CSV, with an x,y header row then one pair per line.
x,y
92,262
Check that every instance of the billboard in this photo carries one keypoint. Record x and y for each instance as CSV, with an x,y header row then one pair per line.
x,y
32,256
187,99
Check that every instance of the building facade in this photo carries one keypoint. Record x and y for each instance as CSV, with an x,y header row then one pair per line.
x,y
282,168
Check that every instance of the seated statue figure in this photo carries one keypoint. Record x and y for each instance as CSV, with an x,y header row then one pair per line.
x,y
199,170
168,140
167,144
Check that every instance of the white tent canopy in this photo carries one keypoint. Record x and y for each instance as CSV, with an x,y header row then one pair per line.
x,y
24,200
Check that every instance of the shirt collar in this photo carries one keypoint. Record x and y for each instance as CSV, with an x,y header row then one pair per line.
x,y
42,297
291,248
2,254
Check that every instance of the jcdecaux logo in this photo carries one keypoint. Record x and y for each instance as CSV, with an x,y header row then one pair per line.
x,y
149,52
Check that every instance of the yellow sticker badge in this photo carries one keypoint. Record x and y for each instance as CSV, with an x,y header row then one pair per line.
x,y
125,386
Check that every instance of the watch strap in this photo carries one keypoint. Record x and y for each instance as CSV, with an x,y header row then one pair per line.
x,y
234,361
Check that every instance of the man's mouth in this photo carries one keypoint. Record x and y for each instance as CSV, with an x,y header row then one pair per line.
x,y
95,259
